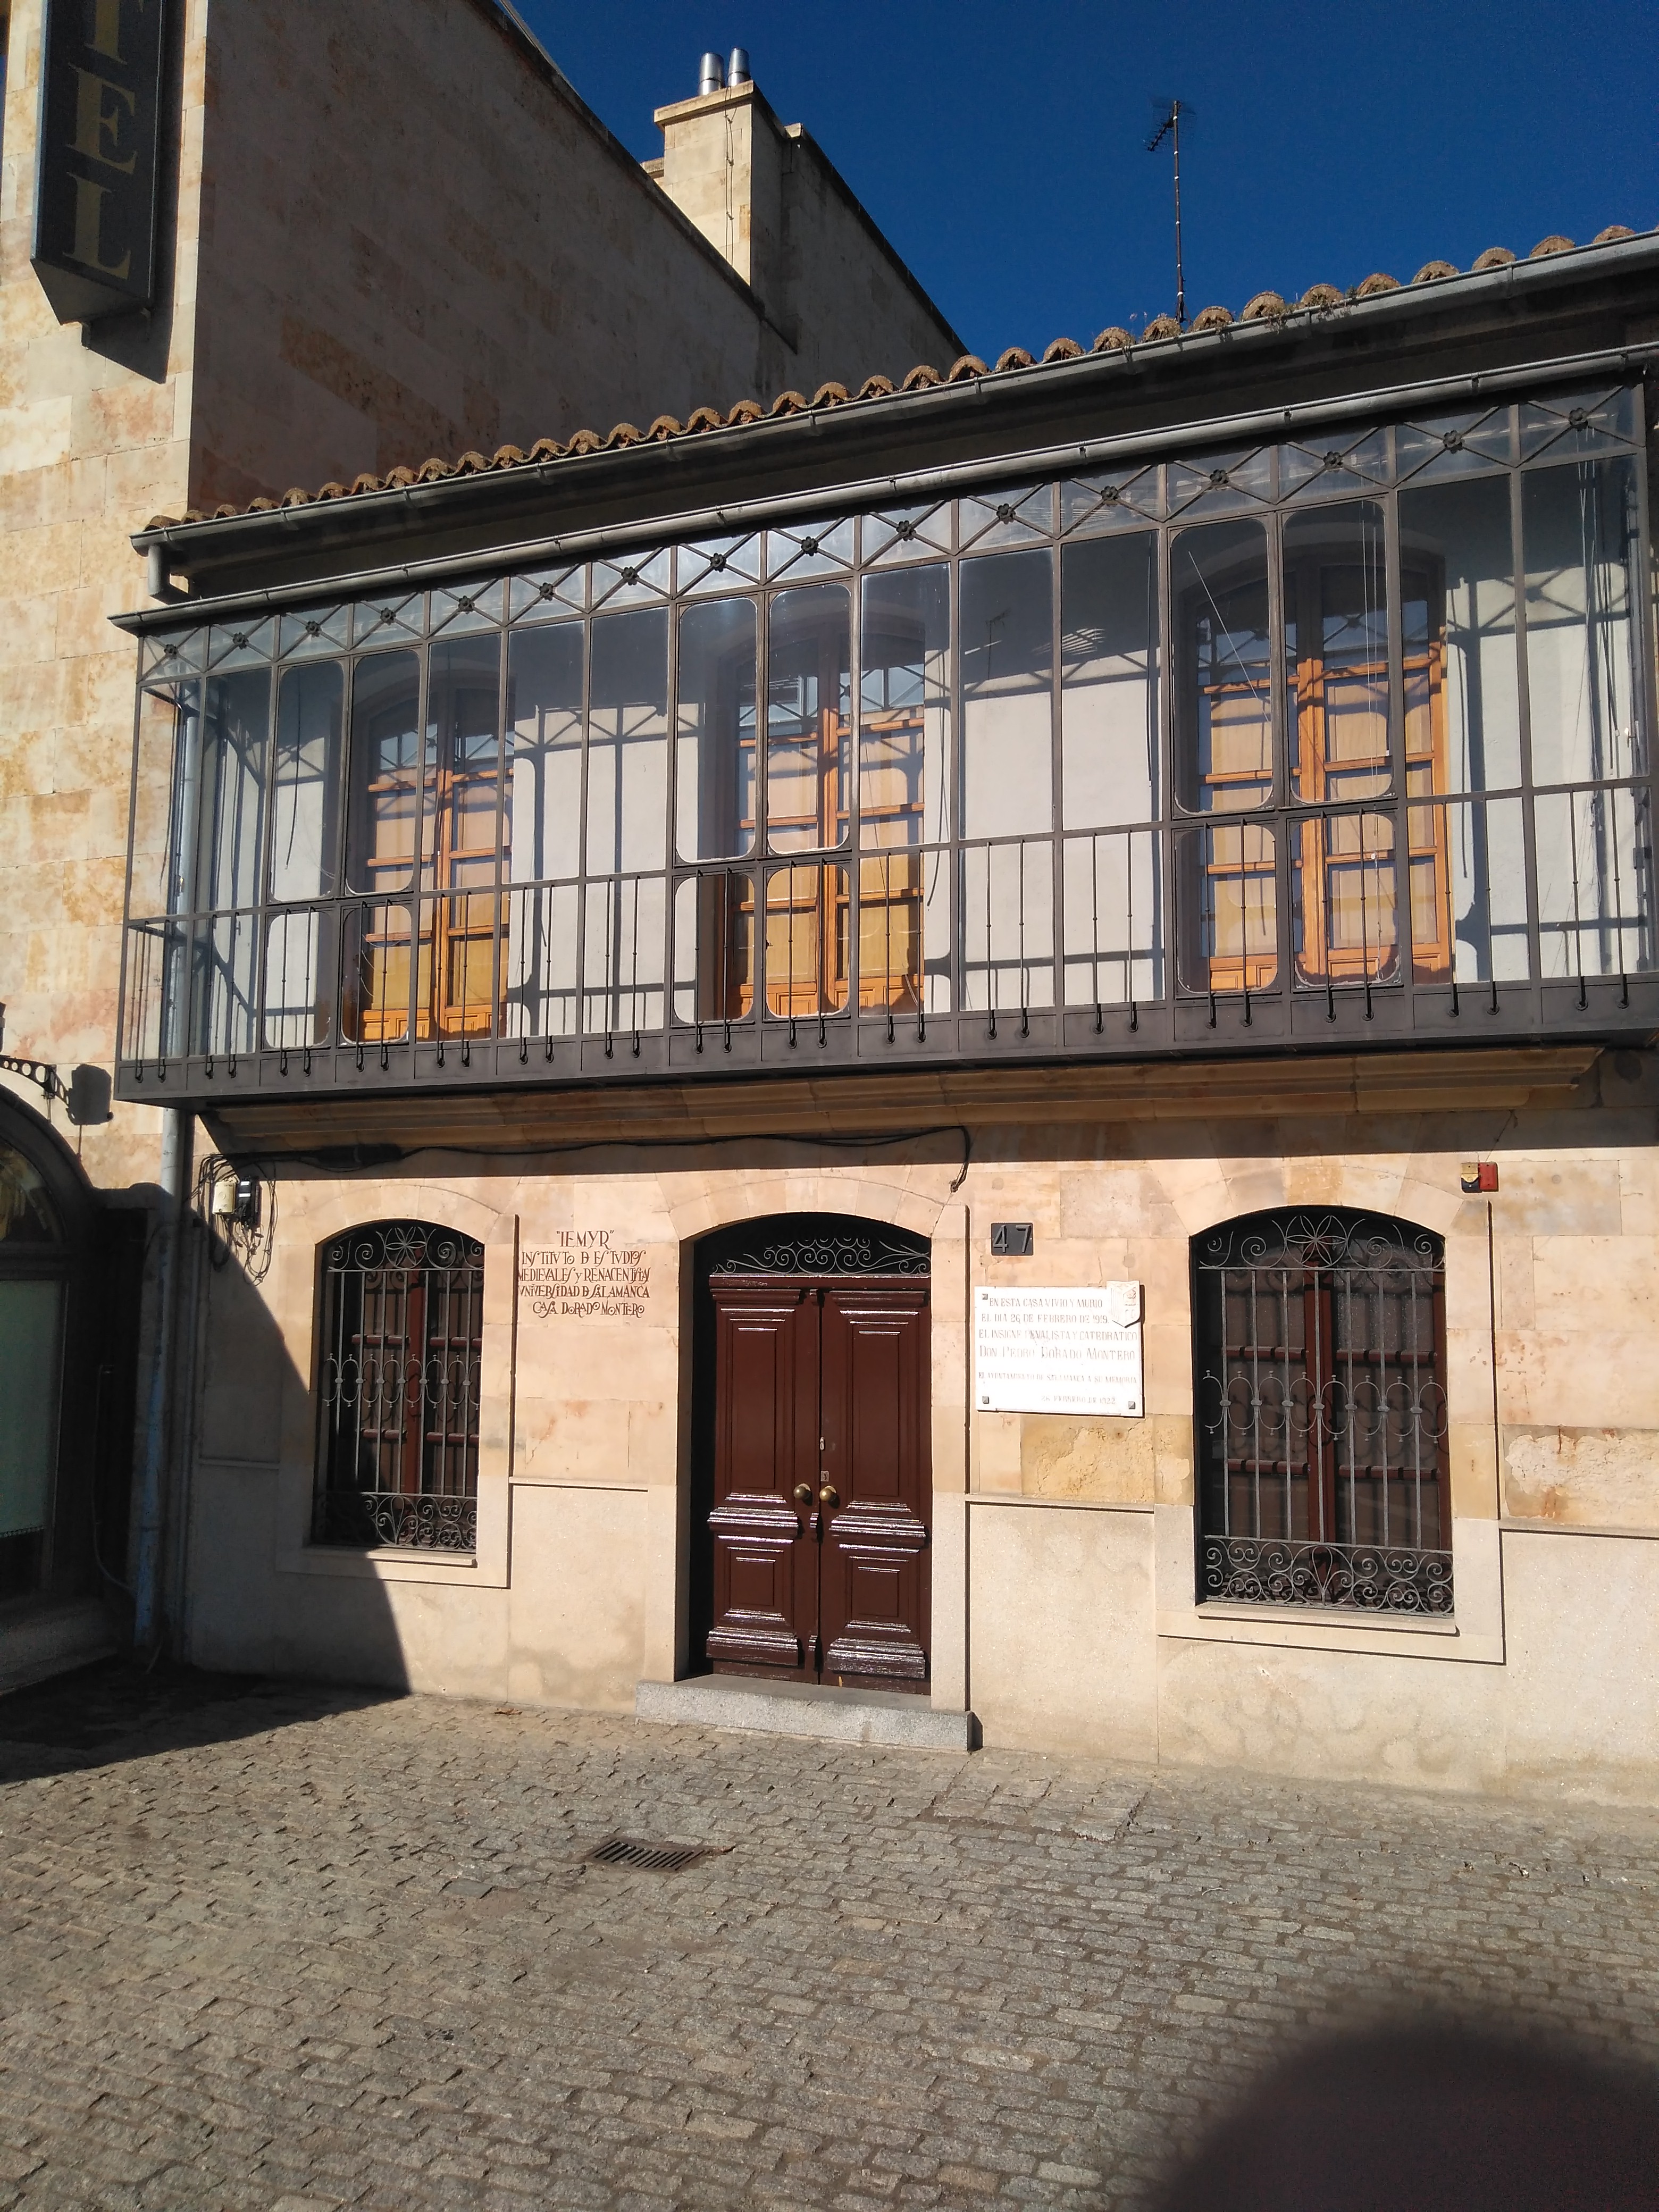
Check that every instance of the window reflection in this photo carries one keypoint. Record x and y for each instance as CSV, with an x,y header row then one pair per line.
x,y
715,781
905,742
1007,704
808,718
1109,625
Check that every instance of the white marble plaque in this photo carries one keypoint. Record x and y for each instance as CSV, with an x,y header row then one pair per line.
x,y
1058,1351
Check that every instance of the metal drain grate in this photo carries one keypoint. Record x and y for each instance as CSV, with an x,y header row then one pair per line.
x,y
649,1858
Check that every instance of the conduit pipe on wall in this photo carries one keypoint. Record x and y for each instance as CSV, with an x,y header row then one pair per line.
x,y
159,1398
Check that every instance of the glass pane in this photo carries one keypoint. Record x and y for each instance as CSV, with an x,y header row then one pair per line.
x,y
626,583
806,941
1469,892
539,962
227,975
241,645
1007,693
1594,882
1579,423
1008,926
715,947
1342,899
544,713
378,972
312,636
1336,651
227,808
305,794
477,607
904,707
720,564
715,794
1333,470
628,742
1009,518
1108,624
906,533
300,970
1453,444
808,713
817,548
386,752
458,965
1462,708
1223,652
1220,483
546,592
463,764
389,620
1579,534
623,960
1114,919
181,655
30,1314
1229,908
169,764
156,961
1124,499
27,1214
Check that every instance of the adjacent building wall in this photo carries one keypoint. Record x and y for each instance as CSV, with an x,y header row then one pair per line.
x,y
1063,1555
767,199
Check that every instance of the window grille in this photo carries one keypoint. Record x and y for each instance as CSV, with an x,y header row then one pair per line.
x,y
403,1333
1320,1361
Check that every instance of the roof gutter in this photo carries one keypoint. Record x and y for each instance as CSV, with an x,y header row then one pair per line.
x,y
741,515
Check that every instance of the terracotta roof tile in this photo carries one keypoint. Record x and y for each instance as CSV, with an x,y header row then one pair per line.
x,y
1264,307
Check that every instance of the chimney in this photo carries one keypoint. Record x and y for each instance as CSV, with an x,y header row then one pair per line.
x,y
724,157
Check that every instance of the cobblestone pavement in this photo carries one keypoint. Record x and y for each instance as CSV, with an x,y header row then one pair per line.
x,y
267,1946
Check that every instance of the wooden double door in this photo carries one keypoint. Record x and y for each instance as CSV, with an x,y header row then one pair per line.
x,y
823,1486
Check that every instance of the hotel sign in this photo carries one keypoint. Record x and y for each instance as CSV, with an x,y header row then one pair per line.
x,y
96,184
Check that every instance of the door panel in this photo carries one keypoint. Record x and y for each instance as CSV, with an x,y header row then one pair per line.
x,y
766,1435
874,1581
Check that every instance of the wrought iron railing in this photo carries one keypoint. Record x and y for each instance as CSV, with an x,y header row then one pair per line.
x,y
1365,1578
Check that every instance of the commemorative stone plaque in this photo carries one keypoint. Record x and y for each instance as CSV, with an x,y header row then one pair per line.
x,y
1059,1351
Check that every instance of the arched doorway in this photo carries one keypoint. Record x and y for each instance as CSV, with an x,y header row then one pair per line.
x,y
812,1480
68,1277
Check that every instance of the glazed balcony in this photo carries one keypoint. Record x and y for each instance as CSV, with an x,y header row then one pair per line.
x,y
1284,746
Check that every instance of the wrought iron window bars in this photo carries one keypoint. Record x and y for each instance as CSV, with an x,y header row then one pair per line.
x,y
1320,1414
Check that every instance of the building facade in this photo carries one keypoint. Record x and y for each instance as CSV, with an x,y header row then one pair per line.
x,y
987,1043
346,278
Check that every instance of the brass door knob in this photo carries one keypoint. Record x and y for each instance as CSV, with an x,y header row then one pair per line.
x,y
803,1493
829,1495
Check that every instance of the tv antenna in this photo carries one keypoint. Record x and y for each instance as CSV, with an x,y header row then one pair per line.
x,y
1169,127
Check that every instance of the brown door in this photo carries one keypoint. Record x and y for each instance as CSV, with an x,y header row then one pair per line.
x,y
822,1482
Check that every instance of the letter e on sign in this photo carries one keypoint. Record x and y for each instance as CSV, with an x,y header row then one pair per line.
x,y
99,165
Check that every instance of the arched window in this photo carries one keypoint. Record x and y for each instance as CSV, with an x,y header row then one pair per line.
x,y
398,1387
1319,1365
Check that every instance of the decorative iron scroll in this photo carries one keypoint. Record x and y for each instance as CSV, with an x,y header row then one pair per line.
x,y
1326,1239
1363,1577
373,1518
828,1252
403,1244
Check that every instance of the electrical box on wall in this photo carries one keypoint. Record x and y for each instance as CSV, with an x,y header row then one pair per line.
x,y
1012,1240
1479,1175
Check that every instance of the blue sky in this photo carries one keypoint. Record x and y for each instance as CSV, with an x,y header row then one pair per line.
x,y
1001,147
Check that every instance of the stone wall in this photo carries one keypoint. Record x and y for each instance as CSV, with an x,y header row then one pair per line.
x,y
95,438
1062,1565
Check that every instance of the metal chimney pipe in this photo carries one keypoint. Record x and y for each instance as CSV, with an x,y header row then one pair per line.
x,y
711,76
737,69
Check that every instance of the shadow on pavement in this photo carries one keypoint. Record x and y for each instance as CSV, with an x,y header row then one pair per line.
x,y
114,1711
